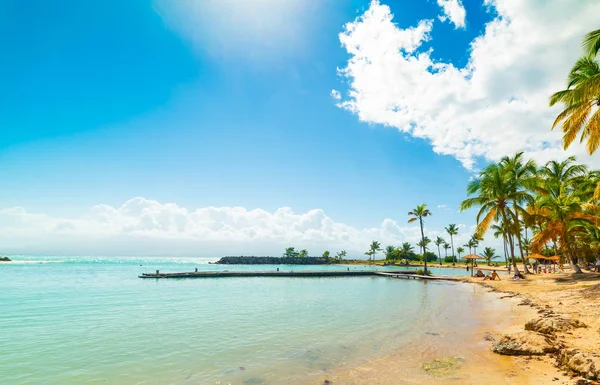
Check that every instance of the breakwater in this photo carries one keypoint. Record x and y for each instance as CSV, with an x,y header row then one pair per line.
x,y
252,260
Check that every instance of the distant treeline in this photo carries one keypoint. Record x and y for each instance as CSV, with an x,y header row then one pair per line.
x,y
275,261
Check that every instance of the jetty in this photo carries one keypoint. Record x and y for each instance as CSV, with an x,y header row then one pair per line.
x,y
301,273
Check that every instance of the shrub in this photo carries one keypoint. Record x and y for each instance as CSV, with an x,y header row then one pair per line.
x,y
422,272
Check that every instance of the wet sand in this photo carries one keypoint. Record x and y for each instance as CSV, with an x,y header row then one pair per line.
x,y
433,361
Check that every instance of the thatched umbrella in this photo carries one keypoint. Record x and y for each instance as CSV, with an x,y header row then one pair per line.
x,y
537,256
472,257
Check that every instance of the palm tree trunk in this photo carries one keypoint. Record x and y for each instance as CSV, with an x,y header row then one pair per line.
x,y
518,234
512,247
505,249
439,254
424,249
454,260
570,253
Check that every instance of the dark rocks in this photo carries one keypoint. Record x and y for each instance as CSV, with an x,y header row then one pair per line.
x,y
274,261
4,259
525,343
585,364
553,324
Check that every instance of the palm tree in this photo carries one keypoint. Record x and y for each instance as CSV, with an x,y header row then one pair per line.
x,y
446,248
420,212
495,195
390,251
489,254
374,248
406,251
439,241
459,250
523,178
591,43
501,230
423,245
452,230
581,98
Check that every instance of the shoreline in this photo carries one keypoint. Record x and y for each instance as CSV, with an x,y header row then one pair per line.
x,y
537,297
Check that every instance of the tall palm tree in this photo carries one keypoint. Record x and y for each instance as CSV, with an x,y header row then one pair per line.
x,y
523,178
494,195
459,250
439,241
581,99
452,230
374,249
420,212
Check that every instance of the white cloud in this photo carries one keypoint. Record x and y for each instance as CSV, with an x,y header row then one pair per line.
x,y
453,11
336,95
495,106
444,207
146,227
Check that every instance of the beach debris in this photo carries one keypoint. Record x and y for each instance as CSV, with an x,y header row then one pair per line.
x,y
586,364
442,366
525,343
488,336
242,368
527,302
327,382
553,324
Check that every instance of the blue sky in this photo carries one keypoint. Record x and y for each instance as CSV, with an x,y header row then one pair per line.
x,y
108,100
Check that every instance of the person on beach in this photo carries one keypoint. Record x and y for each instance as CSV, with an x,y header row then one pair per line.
x,y
479,274
509,266
492,277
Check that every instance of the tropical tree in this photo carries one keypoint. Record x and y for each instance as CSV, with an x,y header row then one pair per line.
x,y
326,254
459,250
390,253
489,254
452,230
290,252
374,248
581,99
420,212
438,242
340,255
522,175
303,253
446,248
406,252
494,195
591,43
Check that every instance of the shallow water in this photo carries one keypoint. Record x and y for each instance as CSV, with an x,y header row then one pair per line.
x,y
91,320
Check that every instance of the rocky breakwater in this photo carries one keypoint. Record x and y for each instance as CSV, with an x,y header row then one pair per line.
x,y
274,261
4,259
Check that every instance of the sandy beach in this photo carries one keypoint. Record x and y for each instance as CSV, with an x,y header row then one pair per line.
x,y
515,303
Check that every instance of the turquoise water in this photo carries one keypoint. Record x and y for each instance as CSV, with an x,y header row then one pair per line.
x,y
91,321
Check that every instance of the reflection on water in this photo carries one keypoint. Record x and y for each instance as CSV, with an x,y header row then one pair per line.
x,y
94,321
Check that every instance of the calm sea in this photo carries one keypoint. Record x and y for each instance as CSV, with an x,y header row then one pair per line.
x,y
82,320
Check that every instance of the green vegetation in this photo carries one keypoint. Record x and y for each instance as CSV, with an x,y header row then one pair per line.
x,y
556,202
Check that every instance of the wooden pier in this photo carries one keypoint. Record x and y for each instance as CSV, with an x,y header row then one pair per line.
x,y
291,273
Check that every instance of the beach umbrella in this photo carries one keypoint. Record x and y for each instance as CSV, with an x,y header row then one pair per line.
x,y
536,256
472,257
554,258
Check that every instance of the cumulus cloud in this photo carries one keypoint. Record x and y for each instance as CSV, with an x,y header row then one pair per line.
x,y
147,227
336,95
496,105
453,11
